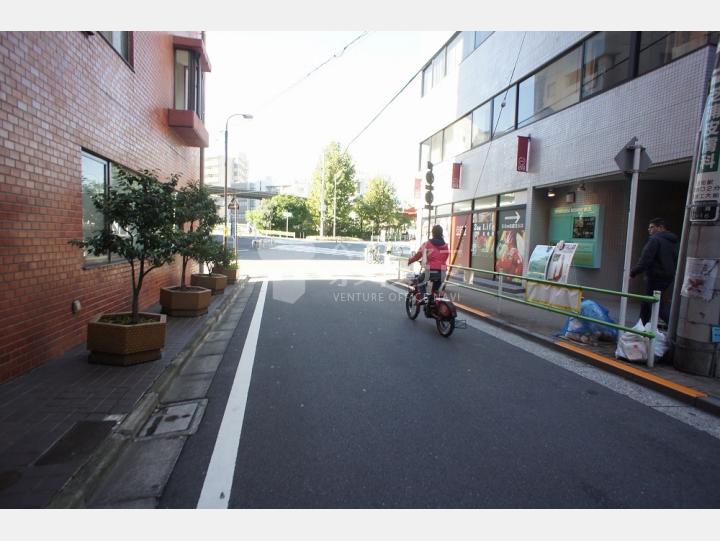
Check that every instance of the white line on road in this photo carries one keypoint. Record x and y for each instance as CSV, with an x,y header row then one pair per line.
x,y
218,480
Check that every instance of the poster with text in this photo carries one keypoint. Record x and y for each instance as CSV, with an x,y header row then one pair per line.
x,y
482,254
511,242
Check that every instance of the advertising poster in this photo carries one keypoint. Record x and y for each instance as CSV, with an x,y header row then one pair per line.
x,y
511,242
483,243
583,224
700,278
558,260
462,248
539,261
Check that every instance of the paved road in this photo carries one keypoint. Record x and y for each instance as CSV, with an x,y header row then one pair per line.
x,y
352,405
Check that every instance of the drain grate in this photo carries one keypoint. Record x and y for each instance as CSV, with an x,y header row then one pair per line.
x,y
79,441
179,419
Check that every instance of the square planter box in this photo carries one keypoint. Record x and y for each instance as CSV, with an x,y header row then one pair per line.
x,y
189,302
123,345
230,273
214,282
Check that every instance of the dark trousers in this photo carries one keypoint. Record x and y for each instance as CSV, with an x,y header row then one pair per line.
x,y
653,284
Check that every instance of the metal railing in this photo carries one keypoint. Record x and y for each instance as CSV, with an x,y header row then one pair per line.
x,y
498,293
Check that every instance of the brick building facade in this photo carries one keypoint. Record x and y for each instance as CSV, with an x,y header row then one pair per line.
x,y
65,96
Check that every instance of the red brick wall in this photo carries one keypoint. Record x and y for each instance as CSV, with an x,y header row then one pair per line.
x,y
61,92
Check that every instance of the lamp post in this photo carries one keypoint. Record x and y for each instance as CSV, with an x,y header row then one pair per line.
x,y
233,205
287,215
225,191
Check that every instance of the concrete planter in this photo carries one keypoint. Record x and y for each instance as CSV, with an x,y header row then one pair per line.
x,y
124,345
230,273
214,282
189,302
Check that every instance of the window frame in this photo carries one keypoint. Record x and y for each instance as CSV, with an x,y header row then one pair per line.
x,y
194,83
129,60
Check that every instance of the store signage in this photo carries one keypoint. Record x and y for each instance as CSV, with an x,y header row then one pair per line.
x,y
706,190
523,153
456,175
418,186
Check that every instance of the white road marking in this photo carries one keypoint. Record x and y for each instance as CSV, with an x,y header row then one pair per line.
x,y
221,470
318,250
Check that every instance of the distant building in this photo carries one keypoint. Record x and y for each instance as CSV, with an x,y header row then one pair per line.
x,y
73,107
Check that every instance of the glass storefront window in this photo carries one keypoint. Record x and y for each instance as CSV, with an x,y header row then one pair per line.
x,y
443,210
481,124
660,48
606,61
504,117
514,198
553,88
462,206
486,202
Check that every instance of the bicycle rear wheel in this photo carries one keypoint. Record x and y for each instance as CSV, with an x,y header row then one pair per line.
x,y
445,326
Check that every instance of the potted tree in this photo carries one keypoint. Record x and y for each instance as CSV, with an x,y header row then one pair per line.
x,y
195,217
140,209
227,265
209,252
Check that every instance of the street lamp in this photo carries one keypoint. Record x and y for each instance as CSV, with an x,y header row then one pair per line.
x,y
287,215
225,192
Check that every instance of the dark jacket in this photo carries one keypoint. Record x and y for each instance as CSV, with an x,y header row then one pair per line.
x,y
658,258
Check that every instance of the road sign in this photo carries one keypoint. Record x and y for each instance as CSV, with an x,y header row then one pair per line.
x,y
624,158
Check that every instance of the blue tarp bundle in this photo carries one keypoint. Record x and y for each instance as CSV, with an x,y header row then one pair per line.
x,y
587,331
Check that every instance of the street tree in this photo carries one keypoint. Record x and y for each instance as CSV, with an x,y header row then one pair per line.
x,y
269,215
381,205
335,171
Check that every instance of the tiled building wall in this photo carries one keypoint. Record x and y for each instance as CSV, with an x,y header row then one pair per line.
x,y
60,93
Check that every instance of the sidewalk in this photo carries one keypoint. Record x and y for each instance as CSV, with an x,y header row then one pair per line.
x,y
544,326
55,417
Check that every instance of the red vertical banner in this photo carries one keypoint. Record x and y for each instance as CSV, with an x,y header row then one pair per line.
x,y
456,175
418,185
523,153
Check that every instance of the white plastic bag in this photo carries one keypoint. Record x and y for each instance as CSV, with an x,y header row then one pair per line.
x,y
660,344
631,346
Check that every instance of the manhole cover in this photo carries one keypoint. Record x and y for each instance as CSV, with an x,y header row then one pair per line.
x,y
181,418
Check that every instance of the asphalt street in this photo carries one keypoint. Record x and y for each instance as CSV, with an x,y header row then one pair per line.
x,y
353,405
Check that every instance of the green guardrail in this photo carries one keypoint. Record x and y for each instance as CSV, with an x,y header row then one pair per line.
x,y
497,293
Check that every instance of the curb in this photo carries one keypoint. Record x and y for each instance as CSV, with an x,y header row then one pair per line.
x,y
690,396
87,478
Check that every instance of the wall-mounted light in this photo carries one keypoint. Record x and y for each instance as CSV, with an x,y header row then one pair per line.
x,y
551,192
581,188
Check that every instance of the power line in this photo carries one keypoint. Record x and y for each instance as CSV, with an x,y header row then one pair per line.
x,y
307,75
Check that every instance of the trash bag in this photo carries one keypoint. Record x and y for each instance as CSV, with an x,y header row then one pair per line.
x,y
633,347
588,331
661,344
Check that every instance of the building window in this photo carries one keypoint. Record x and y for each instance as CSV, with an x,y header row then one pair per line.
x,y
95,180
660,48
436,147
606,61
553,88
456,139
424,154
504,117
481,127
427,79
438,67
455,53
480,37
120,41
188,82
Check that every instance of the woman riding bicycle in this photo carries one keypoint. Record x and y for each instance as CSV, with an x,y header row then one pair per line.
x,y
435,253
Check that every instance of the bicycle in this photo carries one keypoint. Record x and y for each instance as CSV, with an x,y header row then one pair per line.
x,y
436,305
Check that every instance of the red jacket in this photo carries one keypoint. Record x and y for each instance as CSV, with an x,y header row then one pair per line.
x,y
437,254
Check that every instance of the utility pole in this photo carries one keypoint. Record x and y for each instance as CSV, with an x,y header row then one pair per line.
x,y
322,199
697,327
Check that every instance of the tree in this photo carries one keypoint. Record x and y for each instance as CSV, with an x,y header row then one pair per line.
x,y
142,211
336,169
269,215
380,203
195,218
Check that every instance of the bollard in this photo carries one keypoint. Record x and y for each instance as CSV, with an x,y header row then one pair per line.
x,y
655,313
499,299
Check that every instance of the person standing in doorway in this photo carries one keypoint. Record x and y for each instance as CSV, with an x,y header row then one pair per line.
x,y
658,260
